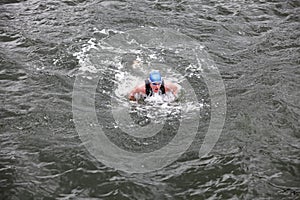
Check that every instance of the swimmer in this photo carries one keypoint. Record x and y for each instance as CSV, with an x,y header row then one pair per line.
x,y
153,85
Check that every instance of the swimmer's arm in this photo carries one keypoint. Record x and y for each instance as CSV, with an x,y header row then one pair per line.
x,y
132,93
174,88
136,90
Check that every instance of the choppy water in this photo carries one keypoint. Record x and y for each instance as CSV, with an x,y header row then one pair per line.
x,y
45,45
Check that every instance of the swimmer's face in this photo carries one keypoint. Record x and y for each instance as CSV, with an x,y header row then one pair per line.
x,y
155,87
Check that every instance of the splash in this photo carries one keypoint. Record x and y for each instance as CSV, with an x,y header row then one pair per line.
x,y
119,63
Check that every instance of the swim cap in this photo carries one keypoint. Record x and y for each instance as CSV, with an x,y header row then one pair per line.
x,y
155,76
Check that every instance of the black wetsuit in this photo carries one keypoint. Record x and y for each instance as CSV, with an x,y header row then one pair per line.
x,y
149,91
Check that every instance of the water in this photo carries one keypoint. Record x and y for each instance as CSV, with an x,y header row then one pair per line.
x,y
45,45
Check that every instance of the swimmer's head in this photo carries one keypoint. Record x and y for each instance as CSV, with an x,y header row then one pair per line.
x,y
155,80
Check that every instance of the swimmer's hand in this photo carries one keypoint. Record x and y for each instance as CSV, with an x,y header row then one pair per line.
x,y
131,98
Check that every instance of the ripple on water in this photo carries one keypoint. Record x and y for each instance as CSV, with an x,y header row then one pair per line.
x,y
254,44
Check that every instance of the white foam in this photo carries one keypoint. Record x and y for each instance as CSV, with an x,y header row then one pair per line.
x,y
107,31
85,64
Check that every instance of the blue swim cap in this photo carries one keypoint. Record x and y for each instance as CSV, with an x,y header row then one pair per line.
x,y
155,76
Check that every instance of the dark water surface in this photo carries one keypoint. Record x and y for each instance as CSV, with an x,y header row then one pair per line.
x,y
255,45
